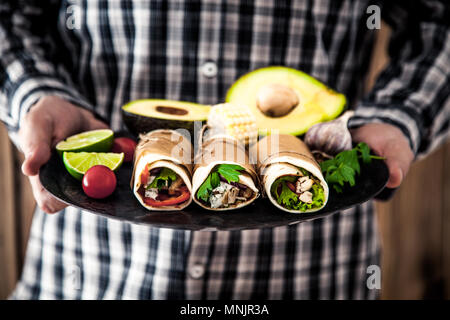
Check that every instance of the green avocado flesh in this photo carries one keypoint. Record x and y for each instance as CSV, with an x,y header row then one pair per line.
x,y
318,103
145,115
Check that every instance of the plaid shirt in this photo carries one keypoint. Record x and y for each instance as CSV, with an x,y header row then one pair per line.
x,y
100,54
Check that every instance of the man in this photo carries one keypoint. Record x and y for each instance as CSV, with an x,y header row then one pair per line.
x,y
62,62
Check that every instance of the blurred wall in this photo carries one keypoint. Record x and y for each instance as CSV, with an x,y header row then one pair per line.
x,y
414,224
16,210
415,228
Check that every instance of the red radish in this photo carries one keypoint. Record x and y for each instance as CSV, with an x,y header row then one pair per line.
x,y
99,182
125,145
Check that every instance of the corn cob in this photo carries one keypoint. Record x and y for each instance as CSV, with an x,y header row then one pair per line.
x,y
233,120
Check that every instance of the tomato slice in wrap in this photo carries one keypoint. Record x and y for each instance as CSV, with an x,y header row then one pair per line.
x,y
184,196
144,175
166,200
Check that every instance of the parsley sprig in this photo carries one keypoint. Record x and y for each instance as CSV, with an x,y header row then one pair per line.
x,y
229,172
345,165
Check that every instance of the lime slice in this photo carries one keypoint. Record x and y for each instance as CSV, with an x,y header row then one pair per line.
x,y
90,141
77,163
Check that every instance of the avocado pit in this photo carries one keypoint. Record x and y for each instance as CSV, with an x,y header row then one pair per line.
x,y
171,110
276,100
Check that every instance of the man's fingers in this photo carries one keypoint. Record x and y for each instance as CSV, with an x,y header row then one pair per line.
x,y
389,142
44,199
90,122
49,121
398,160
35,159
395,174
35,138
94,124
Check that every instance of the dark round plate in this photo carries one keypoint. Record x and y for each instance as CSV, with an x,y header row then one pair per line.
x,y
122,204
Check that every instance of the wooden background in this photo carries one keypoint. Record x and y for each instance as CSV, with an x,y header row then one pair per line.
x,y
414,224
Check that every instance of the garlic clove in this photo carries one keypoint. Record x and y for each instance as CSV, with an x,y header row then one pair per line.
x,y
330,137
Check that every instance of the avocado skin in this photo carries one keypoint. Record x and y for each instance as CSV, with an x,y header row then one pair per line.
x,y
138,124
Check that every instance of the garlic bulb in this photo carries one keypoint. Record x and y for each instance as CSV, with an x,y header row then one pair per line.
x,y
330,137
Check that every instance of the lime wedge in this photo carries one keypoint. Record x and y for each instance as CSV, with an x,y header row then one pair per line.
x,y
77,163
90,141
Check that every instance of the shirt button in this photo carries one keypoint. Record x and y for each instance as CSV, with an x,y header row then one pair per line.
x,y
197,271
209,69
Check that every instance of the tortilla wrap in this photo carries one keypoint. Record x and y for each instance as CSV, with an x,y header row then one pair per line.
x,y
281,155
223,150
163,148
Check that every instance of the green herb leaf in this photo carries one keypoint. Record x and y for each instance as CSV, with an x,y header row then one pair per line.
x,y
230,172
349,158
274,187
287,197
327,166
215,180
337,188
205,189
345,165
166,174
364,151
349,174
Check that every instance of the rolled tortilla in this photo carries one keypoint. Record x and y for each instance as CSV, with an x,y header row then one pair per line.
x,y
158,149
281,155
223,150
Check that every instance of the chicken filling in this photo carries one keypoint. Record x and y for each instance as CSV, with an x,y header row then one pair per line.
x,y
298,192
226,194
222,189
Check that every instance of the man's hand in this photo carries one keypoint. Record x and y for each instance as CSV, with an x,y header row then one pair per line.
x,y
49,121
389,142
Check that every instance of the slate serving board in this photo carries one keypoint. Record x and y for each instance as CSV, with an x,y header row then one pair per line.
x,y
122,204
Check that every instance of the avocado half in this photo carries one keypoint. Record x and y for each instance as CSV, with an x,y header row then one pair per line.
x,y
317,102
141,116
